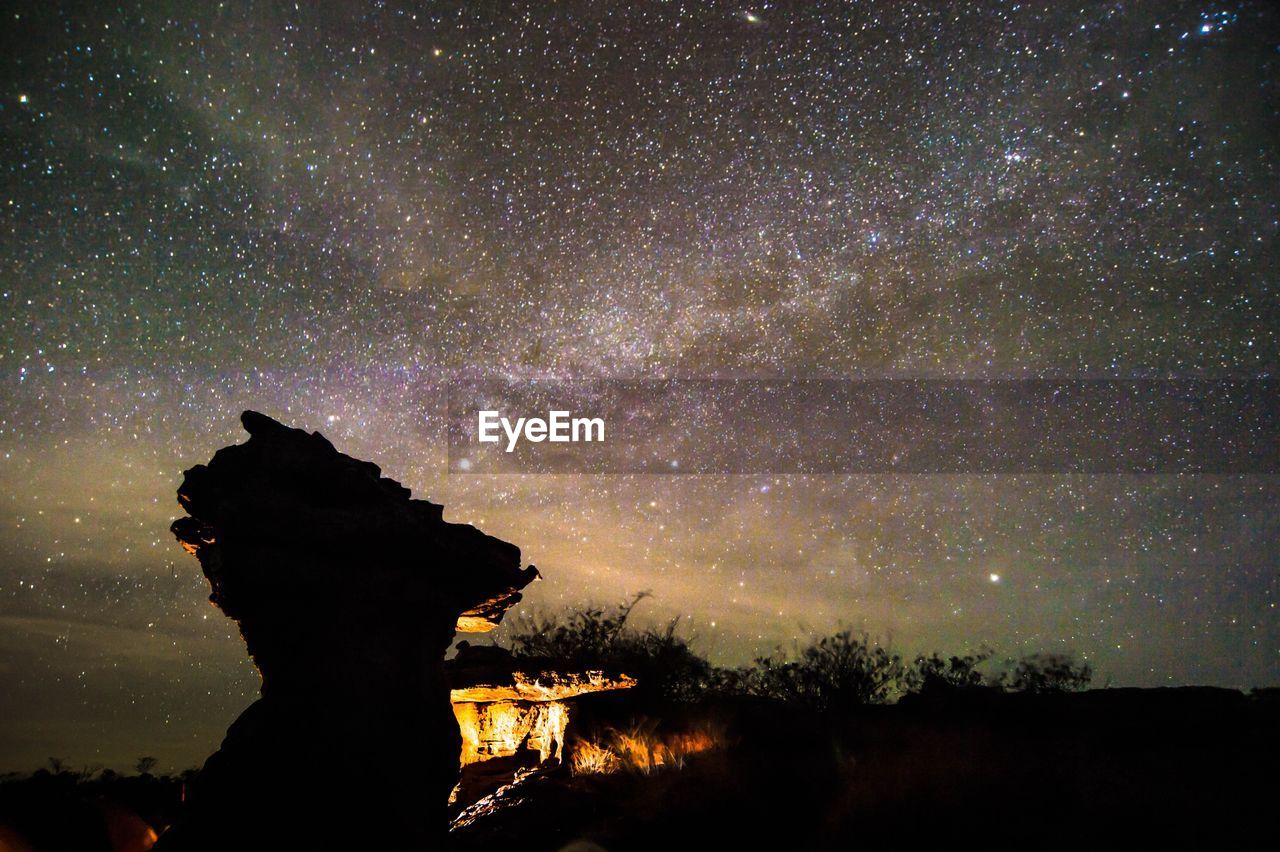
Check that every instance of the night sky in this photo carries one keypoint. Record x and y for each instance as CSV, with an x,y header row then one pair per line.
x,y
326,211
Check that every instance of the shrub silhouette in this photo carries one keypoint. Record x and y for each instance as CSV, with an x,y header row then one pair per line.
x,y
845,669
1039,673
595,637
935,673
837,671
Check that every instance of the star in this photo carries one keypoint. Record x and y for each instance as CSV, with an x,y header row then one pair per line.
x,y
329,218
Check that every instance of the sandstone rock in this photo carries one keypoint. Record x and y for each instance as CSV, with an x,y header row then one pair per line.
x,y
541,685
487,673
347,593
504,706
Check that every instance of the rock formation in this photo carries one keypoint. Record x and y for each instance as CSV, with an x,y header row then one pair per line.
x,y
513,713
347,593
504,706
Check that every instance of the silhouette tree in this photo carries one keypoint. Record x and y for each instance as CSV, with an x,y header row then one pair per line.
x,y
935,673
1039,673
837,671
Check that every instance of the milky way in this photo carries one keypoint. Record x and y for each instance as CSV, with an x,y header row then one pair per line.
x,y
325,212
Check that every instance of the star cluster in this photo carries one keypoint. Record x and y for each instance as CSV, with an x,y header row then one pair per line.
x,y
326,211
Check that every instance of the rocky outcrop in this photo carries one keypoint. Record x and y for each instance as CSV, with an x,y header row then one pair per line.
x,y
488,673
505,706
513,714
347,592
540,685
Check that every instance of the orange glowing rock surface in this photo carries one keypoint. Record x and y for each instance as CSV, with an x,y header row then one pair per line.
x,y
502,728
539,686
522,711
485,616
516,708
474,624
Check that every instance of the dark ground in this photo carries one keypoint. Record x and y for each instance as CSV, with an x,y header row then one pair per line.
x,y
1087,769
1093,769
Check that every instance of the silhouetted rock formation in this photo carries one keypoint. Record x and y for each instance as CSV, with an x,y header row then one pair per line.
x,y
347,593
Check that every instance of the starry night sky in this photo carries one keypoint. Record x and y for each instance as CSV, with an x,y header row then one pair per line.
x,y
326,211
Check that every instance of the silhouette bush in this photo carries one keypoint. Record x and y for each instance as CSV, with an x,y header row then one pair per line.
x,y
834,672
935,673
595,637
61,808
1040,673
845,669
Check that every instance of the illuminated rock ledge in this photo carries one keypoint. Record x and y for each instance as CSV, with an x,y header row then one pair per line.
x,y
541,686
507,710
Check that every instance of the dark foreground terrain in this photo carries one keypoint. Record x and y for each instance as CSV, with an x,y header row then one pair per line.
x,y
1085,769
